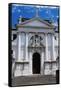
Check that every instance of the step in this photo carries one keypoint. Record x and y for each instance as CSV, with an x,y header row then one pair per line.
x,y
33,80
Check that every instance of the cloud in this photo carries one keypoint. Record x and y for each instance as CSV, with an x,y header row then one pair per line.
x,y
44,6
13,9
57,16
22,5
51,7
38,6
16,5
19,10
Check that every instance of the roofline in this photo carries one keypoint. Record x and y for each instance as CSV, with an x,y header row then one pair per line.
x,y
36,27
41,20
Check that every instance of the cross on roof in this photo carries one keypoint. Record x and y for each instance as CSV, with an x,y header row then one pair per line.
x,y
37,11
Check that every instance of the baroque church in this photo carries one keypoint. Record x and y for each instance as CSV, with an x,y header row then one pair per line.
x,y
35,48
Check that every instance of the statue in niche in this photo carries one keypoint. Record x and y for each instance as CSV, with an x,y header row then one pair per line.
x,y
35,40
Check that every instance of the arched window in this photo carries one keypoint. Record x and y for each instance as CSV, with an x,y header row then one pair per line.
x,y
14,36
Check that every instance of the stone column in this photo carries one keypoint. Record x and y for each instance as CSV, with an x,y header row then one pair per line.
x,y
46,50
53,53
19,46
30,64
42,62
26,47
53,48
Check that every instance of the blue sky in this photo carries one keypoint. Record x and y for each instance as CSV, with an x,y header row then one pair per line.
x,y
29,11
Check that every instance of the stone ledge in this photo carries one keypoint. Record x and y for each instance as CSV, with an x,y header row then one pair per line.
x,y
50,61
21,62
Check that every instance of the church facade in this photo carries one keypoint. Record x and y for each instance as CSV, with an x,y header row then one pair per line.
x,y
35,48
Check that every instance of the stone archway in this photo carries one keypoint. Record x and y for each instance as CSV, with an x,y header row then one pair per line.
x,y
36,63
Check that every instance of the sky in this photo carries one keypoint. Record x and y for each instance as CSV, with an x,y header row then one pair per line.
x,y
29,11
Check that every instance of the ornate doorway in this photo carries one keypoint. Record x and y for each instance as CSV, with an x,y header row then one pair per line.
x,y
36,63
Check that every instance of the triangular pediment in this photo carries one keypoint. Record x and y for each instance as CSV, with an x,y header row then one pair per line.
x,y
36,22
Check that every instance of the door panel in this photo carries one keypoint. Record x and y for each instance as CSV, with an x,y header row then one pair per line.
x,y
36,63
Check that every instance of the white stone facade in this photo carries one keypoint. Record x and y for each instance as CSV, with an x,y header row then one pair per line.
x,y
35,36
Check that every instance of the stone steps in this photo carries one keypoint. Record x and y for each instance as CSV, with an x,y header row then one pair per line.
x,y
33,80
